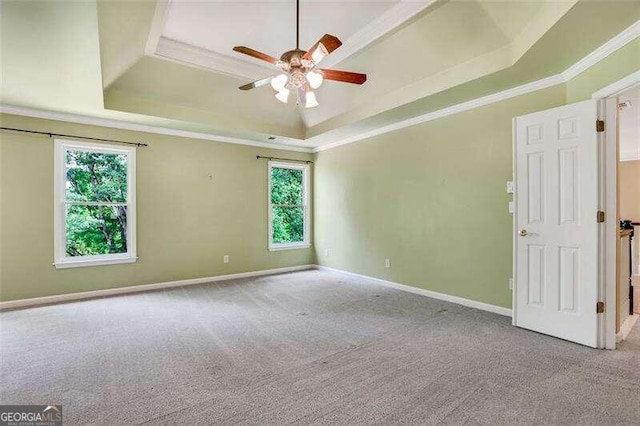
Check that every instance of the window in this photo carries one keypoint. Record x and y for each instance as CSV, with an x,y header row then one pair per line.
x,y
288,205
95,207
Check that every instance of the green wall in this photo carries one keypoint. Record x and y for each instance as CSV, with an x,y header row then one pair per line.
x,y
432,197
187,221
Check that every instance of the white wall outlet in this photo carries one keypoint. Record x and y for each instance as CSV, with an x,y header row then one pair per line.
x,y
512,207
225,258
326,252
511,188
510,283
387,263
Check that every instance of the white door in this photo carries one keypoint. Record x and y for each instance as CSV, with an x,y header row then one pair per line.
x,y
556,156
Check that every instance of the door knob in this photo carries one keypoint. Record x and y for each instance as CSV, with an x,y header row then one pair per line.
x,y
524,233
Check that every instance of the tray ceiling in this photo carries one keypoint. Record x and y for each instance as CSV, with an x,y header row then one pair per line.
x,y
408,49
204,33
122,60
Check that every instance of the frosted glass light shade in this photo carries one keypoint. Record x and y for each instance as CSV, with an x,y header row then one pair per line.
x,y
311,100
283,95
315,79
278,82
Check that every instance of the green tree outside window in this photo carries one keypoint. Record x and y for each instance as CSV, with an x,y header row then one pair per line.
x,y
287,202
95,198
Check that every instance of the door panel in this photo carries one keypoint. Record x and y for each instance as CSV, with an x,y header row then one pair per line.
x,y
569,279
569,190
556,203
537,274
536,187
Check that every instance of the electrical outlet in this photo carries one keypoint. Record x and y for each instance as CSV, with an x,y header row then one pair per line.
x,y
512,207
387,263
326,252
225,258
511,188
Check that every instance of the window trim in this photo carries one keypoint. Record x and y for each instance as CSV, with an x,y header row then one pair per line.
x,y
306,242
59,191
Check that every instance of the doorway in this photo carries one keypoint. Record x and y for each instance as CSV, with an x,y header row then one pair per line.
x,y
628,195
574,267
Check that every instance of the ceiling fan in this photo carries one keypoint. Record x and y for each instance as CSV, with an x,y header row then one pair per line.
x,y
300,72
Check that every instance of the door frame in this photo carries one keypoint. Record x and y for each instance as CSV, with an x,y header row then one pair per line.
x,y
608,171
606,99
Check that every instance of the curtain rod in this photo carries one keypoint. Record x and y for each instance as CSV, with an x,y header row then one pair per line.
x,y
260,157
71,136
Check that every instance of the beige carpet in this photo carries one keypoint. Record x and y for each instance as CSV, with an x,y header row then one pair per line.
x,y
305,348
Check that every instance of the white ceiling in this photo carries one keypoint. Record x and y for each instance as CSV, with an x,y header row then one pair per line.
x,y
265,25
203,33
629,125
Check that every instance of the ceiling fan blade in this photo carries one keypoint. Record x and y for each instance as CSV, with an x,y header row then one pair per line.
x,y
322,48
344,76
256,83
255,54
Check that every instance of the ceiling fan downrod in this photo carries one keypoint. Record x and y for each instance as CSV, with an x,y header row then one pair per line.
x,y
299,69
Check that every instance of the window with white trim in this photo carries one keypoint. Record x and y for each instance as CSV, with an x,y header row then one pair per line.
x,y
288,205
95,208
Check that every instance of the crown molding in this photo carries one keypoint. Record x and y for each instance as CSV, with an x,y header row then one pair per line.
x,y
454,109
290,145
385,23
233,67
619,41
618,86
157,24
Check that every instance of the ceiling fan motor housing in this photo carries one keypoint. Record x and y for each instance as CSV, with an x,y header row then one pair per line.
x,y
296,66
293,57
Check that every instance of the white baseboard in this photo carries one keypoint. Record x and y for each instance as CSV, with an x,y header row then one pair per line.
x,y
433,294
625,327
46,300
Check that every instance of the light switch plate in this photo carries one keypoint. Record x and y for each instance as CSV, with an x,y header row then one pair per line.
x,y
512,207
511,188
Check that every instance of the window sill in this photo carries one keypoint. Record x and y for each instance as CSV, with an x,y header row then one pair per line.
x,y
289,247
93,262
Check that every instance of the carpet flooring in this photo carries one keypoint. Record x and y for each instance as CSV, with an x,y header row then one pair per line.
x,y
309,347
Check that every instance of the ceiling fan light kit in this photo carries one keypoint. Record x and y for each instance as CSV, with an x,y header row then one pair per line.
x,y
283,95
311,100
299,69
315,79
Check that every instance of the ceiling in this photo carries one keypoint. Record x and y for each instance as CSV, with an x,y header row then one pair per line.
x,y
170,63
216,27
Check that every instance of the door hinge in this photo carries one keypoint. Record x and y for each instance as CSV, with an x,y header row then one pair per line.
x,y
600,216
599,125
599,307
